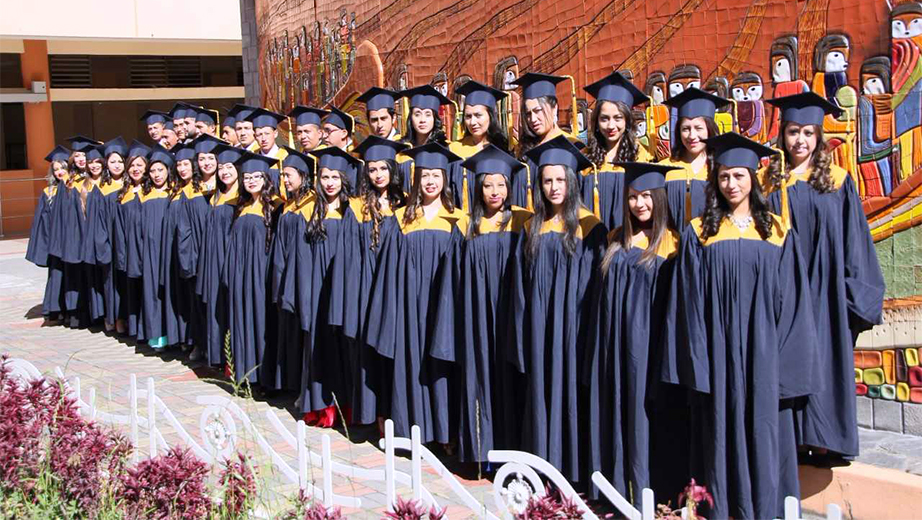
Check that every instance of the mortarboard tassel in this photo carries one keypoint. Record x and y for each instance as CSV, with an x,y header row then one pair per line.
x,y
574,109
465,205
785,210
530,206
595,193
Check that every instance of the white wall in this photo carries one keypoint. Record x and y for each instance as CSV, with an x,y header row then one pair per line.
x,y
157,19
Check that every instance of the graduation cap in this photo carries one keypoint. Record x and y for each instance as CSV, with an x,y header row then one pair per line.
x,y
94,152
733,150
807,108
694,102
643,176
262,117
535,85
615,87
335,158
138,149
181,111
206,115
307,115
59,153
227,153
117,145
425,96
183,152
79,143
153,116
240,112
432,156
377,98
476,93
162,155
250,162
375,148
299,161
493,160
339,119
168,125
229,120
206,143
560,151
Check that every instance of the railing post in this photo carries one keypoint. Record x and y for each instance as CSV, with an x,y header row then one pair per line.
x,y
648,504
791,508
327,472
303,454
133,415
92,403
151,417
77,392
390,485
833,512
416,458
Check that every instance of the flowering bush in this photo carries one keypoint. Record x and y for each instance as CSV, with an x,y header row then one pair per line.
x,y
170,486
552,505
239,482
413,510
307,509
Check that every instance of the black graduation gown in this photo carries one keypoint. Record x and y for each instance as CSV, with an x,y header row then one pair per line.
x,y
284,357
628,304
39,251
325,358
128,258
471,331
740,334
413,260
610,184
178,294
94,250
245,279
193,222
69,229
405,168
683,185
211,260
548,331
113,292
356,270
847,289
150,228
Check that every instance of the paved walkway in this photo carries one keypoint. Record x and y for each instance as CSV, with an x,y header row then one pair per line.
x,y
105,362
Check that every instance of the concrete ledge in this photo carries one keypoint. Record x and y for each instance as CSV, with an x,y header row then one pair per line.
x,y
864,492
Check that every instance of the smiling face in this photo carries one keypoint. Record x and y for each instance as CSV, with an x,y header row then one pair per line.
x,y
379,175
495,191
116,165
59,170
800,141
735,184
423,121
554,184
292,179
253,183
154,130
693,132
431,182
476,120
227,172
80,160
612,123
184,169
94,168
136,170
331,183
641,204
207,164
158,174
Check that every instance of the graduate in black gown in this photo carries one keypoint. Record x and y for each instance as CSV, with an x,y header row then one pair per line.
x,y
127,242
845,278
554,266
68,229
213,254
474,311
325,374
629,304
265,125
115,151
481,127
401,312
371,217
424,126
245,276
283,359
307,121
741,336
154,199
611,140
691,123
40,235
95,249
178,296
337,129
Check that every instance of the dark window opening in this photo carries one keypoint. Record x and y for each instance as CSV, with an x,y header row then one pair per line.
x,y
13,137
10,70
72,71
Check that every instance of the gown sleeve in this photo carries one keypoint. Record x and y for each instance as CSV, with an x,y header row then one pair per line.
x,y
381,332
446,335
685,359
186,246
101,236
346,278
864,282
798,356
37,250
517,303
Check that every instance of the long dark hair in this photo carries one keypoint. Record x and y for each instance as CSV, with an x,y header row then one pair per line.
x,y
371,206
627,145
52,180
527,138
168,186
478,207
176,182
316,232
717,207
416,196
659,221
245,198
678,149
106,174
571,206
305,187
821,161
496,134
127,184
436,135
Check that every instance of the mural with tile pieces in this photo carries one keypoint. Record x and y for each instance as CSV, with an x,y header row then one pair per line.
x,y
893,375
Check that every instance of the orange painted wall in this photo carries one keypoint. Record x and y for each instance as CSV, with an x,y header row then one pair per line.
x,y
19,189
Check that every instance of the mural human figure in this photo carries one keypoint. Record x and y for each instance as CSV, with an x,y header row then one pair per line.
x,y
783,67
504,73
657,115
875,128
830,66
681,78
906,84
746,90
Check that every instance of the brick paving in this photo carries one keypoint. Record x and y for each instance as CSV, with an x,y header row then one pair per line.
x,y
105,363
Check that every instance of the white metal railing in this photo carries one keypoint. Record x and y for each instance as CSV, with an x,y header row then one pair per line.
x,y
515,481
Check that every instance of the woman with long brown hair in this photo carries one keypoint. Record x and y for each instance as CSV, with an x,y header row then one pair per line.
x,y
127,241
154,199
845,278
611,140
40,235
68,229
115,151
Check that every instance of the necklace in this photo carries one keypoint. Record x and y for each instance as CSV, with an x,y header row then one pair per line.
x,y
742,223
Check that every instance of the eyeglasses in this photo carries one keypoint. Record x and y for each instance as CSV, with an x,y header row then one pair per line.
x,y
328,131
253,177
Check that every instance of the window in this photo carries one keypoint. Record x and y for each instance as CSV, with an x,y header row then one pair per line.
x,y
10,70
13,137
75,71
